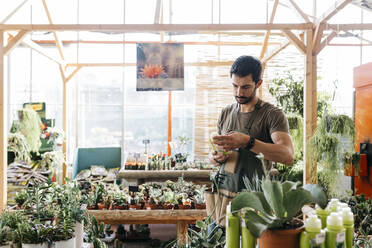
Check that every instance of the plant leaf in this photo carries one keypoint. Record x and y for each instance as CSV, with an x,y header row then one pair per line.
x,y
288,186
255,223
247,200
274,196
264,203
317,193
294,200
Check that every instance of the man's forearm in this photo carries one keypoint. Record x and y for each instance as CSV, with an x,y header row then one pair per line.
x,y
274,152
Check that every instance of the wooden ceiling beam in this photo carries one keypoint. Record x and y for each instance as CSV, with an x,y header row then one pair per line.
x,y
295,41
14,41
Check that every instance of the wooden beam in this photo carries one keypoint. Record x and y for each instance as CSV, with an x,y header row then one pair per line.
x,y
3,129
169,122
140,28
14,42
72,73
310,108
13,12
318,36
275,52
58,42
325,42
299,11
343,27
267,35
182,233
206,63
336,7
295,41
157,11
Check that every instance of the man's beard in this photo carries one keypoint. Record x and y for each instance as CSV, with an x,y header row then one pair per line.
x,y
246,100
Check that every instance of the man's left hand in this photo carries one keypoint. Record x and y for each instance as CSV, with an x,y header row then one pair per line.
x,y
231,141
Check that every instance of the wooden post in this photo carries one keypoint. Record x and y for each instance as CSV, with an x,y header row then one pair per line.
x,y
310,107
64,97
169,122
3,129
182,227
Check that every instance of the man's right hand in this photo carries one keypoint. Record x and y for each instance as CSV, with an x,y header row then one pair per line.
x,y
218,158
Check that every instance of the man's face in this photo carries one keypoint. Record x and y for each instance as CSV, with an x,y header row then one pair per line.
x,y
244,88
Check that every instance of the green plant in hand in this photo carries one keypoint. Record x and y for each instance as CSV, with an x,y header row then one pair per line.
x,y
277,206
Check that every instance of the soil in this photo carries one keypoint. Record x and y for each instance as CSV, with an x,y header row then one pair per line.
x,y
295,223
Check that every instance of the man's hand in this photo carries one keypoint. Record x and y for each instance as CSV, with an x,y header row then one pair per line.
x,y
218,158
231,140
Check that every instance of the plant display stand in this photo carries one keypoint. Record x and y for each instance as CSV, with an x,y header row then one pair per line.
x,y
140,176
180,217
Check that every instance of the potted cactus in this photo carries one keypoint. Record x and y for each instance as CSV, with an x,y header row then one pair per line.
x,y
153,199
120,200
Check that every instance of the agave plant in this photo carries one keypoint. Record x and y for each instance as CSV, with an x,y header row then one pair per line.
x,y
276,205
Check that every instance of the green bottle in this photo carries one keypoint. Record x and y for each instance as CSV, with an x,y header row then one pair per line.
x,y
232,229
322,214
248,241
313,236
348,221
335,232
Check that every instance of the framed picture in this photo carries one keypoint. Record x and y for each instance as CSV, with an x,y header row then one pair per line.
x,y
160,67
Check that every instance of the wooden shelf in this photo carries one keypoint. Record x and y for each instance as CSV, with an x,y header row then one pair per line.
x,y
164,174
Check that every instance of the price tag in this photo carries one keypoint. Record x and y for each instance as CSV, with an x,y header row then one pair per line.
x,y
340,237
227,222
319,238
243,223
83,207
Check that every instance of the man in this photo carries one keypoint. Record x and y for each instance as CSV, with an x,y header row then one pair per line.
x,y
250,126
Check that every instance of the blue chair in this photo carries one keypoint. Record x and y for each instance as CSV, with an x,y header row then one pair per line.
x,y
109,157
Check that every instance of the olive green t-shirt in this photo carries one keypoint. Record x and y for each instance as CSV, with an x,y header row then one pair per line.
x,y
269,119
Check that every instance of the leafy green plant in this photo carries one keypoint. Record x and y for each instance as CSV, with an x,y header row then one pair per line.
x,y
276,206
4,232
64,229
30,127
362,210
33,233
17,143
21,197
94,229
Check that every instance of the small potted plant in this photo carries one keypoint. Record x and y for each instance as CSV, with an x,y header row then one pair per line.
x,y
90,200
4,234
33,235
169,200
62,235
135,203
199,201
21,198
153,199
183,201
106,202
120,201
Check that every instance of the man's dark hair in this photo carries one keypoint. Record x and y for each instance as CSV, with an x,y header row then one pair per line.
x,y
245,65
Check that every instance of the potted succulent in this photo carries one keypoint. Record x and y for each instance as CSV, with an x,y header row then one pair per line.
x,y
33,235
106,202
90,200
168,200
199,201
120,201
136,201
95,232
271,214
183,201
62,235
153,199
21,198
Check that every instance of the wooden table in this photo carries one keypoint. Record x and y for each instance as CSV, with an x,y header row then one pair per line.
x,y
180,217
141,176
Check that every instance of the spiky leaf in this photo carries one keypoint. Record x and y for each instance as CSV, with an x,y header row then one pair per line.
x,y
294,200
247,200
274,195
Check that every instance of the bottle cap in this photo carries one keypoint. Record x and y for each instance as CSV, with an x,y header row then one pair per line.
x,y
313,224
228,208
334,219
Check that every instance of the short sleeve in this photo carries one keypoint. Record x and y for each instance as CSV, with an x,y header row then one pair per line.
x,y
220,122
278,121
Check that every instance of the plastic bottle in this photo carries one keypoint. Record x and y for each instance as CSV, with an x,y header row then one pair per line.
x,y
313,236
232,229
248,241
335,232
322,214
348,221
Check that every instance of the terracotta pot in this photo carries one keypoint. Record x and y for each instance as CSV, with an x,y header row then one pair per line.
x,y
151,206
135,207
182,207
200,206
92,207
289,238
120,207
102,206
167,206
348,170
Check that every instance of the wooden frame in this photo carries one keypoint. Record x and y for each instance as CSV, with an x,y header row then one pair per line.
x,y
314,44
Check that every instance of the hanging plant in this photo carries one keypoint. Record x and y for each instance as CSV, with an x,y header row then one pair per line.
x,y
51,160
30,127
17,143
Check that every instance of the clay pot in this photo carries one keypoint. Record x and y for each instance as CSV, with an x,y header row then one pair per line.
x,y
167,206
102,206
120,207
289,238
135,207
182,207
92,207
149,206
200,206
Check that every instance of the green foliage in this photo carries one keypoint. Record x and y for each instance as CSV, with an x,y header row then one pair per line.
x,y
33,233
30,127
4,232
17,143
276,206
94,229
289,93
362,210
21,197
296,130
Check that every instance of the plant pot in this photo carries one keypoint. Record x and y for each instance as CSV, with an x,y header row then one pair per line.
x,y
200,206
348,170
102,206
43,245
120,207
183,207
167,206
78,233
66,243
289,238
135,207
151,206
92,207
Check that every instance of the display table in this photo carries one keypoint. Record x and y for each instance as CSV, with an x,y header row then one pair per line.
x,y
180,217
142,176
